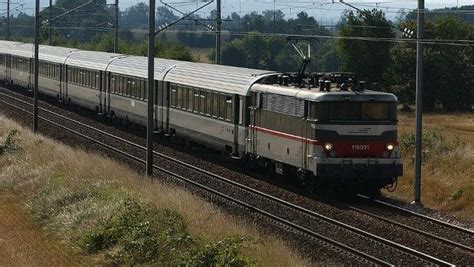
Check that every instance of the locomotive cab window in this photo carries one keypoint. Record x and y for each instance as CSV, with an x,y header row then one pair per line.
x,y
353,111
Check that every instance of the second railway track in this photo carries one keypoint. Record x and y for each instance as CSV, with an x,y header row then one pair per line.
x,y
361,244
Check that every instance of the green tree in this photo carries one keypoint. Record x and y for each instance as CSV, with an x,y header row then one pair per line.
x,y
448,69
369,58
260,52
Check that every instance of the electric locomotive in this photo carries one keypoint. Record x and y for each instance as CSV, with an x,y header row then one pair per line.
x,y
333,131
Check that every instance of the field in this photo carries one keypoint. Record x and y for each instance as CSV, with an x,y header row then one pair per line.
x,y
66,205
448,163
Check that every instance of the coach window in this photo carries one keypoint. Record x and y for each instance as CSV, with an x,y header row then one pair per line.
x,y
116,84
196,100
97,80
44,69
123,85
91,79
215,105
73,75
128,86
81,77
228,104
208,103
184,96
179,103
222,107
133,89
174,95
88,78
142,89
145,90
202,102
57,71
139,88
190,99
85,78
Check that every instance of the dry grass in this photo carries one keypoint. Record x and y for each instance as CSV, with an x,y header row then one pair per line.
x,y
43,173
23,244
448,168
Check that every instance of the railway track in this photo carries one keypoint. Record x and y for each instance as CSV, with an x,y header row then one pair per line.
x,y
454,235
358,243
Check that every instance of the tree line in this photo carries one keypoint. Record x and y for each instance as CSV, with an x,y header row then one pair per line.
x,y
364,42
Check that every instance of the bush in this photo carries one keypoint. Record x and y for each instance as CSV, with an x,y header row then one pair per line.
x,y
434,143
139,234
9,145
222,253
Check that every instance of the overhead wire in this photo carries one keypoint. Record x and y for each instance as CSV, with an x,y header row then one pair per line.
x,y
462,43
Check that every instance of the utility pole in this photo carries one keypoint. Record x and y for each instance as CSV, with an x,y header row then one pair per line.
x,y
274,15
116,27
218,33
8,21
151,88
419,99
51,24
36,67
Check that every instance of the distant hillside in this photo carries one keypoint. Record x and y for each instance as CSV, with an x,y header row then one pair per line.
x,y
465,13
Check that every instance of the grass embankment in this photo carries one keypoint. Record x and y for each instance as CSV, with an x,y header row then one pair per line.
x,y
109,213
448,164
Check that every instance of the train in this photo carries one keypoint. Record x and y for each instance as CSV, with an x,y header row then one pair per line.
x,y
327,128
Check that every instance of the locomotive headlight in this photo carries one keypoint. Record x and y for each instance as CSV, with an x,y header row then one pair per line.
x,y
328,146
389,147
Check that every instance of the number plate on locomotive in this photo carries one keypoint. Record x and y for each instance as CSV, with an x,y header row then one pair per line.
x,y
360,147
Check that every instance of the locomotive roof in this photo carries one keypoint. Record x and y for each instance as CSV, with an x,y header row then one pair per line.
x,y
320,96
225,79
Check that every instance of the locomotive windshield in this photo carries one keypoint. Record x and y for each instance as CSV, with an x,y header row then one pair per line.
x,y
353,111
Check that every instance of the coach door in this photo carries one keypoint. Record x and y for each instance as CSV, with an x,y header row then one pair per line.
x,y
8,68
106,87
63,94
305,136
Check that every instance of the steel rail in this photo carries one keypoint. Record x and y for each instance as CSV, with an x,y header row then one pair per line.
x,y
418,231
280,220
305,211
416,214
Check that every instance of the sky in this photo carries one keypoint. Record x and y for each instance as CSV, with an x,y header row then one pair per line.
x,y
325,11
